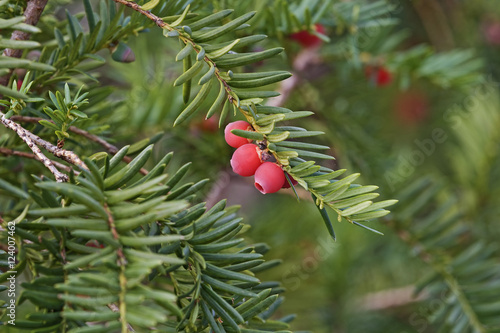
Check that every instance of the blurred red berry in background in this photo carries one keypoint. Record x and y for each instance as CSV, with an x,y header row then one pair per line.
x,y
210,125
379,75
307,39
491,32
411,107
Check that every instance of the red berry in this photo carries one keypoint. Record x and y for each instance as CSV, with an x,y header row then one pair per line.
x,y
384,77
234,140
379,75
269,178
246,159
287,184
19,84
307,39
209,125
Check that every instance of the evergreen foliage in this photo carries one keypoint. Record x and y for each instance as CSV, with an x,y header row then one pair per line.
x,y
120,240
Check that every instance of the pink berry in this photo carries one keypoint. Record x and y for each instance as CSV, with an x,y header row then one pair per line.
x,y
246,159
269,178
234,140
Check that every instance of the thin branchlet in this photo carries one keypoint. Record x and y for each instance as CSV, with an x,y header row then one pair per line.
x,y
27,137
65,155
11,152
108,146
34,142
92,137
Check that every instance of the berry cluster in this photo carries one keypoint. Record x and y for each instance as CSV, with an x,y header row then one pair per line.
x,y
247,161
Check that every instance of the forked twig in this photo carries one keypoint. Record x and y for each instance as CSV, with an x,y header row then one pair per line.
x,y
11,152
94,138
27,137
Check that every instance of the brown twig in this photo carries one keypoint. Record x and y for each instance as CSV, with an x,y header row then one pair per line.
x,y
158,21
34,9
108,146
27,137
10,152
33,141
63,154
